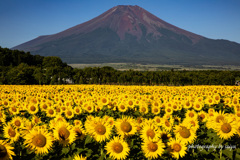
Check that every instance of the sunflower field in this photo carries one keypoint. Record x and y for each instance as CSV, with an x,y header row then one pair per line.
x,y
119,122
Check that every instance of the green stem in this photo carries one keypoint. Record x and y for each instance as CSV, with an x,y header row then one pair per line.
x,y
220,154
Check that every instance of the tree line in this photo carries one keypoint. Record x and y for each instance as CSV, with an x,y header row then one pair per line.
x,y
18,67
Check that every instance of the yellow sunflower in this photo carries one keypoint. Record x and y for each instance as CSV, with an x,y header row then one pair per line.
x,y
77,157
69,113
104,101
2,117
168,110
198,106
177,148
51,112
226,128
32,108
185,133
99,129
17,122
80,132
209,101
153,148
175,107
202,116
216,98
214,120
149,131
36,120
155,110
110,120
187,104
143,108
43,106
39,140
167,124
158,120
13,109
117,148
126,126
122,107
89,107
77,110
64,133
191,114
193,122
6,150
10,133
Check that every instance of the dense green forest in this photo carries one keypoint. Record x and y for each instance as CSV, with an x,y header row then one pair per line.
x,y
18,67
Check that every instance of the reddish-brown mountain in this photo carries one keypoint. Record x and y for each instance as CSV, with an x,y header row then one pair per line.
x,y
132,34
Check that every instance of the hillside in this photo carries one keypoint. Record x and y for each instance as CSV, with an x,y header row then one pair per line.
x,y
131,34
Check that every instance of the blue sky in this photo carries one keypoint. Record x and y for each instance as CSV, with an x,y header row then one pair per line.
x,y
24,20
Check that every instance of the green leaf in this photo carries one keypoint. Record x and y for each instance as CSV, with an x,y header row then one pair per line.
x,y
88,140
65,150
89,152
228,153
73,146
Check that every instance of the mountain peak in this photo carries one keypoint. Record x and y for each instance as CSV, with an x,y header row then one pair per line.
x,y
127,33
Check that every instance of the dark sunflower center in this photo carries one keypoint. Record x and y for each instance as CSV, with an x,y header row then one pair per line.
x,y
117,147
191,114
63,133
184,132
11,132
226,128
193,123
104,100
111,122
167,123
69,113
39,140
139,120
44,106
130,103
219,118
79,132
150,133
158,120
152,147
122,107
14,109
17,123
100,129
32,108
89,108
143,109
50,111
3,151
177,147
238,114
58,110
201,117
126,127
